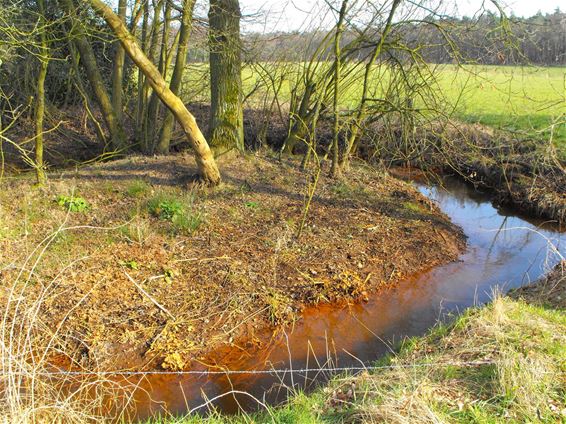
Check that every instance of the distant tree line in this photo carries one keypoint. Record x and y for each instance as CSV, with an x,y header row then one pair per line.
x,y
487,39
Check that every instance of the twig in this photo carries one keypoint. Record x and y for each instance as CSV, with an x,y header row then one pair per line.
x,y
156,303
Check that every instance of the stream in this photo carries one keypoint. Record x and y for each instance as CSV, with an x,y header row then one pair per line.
x,y
504,251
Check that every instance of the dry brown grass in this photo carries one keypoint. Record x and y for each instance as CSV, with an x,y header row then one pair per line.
x,y
33,352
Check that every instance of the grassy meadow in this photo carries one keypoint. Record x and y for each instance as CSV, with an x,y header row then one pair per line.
x,y
530,101
525,100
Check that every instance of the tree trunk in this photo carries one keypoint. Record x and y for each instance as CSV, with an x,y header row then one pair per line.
x,y
153,107
301,122
203,155
335,169
40,97
117,134
361,113
141,103
226,130
118,69
148,125
177,77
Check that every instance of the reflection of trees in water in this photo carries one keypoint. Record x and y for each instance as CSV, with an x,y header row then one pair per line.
x,y
521,247
516,244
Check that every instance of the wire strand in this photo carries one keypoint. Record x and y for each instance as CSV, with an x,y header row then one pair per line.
x,y
267,371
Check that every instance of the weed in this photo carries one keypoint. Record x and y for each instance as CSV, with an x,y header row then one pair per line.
x,y
179,213
130,264
73,203
251,205
279,307
165,207
138,188
413,207
187,223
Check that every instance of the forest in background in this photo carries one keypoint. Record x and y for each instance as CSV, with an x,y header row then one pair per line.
x,y
536,40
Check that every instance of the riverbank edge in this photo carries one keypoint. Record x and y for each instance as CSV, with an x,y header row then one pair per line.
x,y
498,362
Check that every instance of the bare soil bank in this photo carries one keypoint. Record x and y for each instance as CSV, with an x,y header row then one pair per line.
x,y
549,291
124,288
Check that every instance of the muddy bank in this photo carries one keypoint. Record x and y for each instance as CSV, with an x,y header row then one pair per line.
x,y
526,174
127,289
549,291
503,251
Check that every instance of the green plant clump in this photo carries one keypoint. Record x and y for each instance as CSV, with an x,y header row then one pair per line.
x,y
171,209
138,188
73,203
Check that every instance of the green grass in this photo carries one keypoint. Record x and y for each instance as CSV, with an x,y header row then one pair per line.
x,y
178,211
531,101
138,188
523,347
528,100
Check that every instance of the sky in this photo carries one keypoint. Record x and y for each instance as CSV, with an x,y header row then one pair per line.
x,y
288,15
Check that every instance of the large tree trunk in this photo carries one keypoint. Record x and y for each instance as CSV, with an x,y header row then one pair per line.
x,y
226,118
203,155
117,134
177,77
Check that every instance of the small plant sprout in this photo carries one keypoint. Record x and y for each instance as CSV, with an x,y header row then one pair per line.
x,y
73,203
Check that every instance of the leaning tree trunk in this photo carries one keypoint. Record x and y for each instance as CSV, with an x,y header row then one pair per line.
x,y
226,131
203,155
177,77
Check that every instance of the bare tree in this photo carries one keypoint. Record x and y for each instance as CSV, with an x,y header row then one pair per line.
x,y
208,170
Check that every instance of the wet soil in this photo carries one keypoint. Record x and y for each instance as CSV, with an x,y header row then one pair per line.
x,y
130,291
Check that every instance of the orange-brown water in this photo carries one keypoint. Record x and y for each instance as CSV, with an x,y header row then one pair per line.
x,y
504,251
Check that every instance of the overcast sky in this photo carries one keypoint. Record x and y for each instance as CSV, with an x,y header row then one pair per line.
x,y
285,15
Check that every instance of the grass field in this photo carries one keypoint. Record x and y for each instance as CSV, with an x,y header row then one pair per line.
x,y
530,101
525,100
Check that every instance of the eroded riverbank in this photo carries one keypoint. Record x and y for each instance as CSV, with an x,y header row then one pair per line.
x,y
504,251
150,276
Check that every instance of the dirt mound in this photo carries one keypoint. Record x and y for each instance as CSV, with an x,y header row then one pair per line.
x,y
151,274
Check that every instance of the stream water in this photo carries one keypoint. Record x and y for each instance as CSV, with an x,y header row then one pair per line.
x,y
504,251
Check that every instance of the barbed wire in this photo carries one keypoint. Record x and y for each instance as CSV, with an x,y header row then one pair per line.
x,y
265,371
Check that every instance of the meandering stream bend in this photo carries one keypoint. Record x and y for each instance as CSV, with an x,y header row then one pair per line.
x,y
504,251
